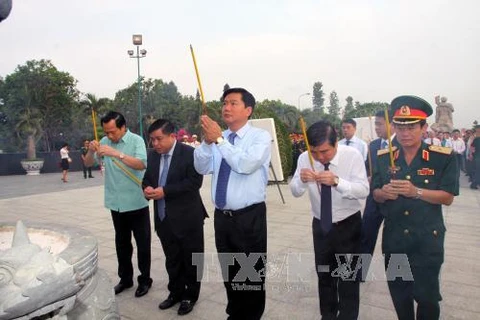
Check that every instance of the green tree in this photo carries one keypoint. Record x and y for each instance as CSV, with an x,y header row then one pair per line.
x,y
288,114
39,90
349,108
334,107
283,138
368,109
317,98
100,106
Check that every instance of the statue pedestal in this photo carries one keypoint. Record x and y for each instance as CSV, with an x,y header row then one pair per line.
x,y
64,263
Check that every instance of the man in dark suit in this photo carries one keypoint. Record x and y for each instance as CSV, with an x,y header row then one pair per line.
x,y
171,180
372,218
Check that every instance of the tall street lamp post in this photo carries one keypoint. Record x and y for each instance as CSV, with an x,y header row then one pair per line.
x,y
303,94
137,41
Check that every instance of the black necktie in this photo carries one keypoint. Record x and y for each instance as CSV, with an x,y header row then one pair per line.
x,y
347,143
326,206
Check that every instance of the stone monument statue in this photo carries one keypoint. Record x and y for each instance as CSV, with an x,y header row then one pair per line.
x,y
52,273
443,115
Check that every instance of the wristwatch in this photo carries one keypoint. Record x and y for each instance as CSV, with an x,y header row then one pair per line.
x,y
419,193
336,180
121,156
220,140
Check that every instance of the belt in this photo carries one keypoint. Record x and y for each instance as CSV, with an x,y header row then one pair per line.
x,y
347,219
232,213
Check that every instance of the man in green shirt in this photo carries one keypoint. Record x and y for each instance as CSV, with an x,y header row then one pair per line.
x,y
410,196
125,159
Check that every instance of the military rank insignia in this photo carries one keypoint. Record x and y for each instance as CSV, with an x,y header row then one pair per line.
x,y
425,172
425,155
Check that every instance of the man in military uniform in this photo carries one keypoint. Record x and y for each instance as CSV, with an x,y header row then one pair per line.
x,y
411,185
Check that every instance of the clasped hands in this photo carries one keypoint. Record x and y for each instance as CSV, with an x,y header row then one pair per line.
x,y
323,177
103,150
211,129
396,188
153,193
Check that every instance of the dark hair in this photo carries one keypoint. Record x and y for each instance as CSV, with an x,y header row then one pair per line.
x,y
64,145
381,114
247,97
455,130
351,121
320,132
113,115
166,126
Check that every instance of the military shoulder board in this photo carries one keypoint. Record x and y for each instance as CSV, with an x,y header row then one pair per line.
x,y
440,149
381,152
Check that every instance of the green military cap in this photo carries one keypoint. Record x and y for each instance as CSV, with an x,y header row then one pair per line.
x,y
410,109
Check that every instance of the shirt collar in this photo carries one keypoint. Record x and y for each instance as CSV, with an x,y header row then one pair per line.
x,y
240,132
170,152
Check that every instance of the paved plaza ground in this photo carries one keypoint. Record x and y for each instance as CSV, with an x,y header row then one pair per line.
x,y
79,203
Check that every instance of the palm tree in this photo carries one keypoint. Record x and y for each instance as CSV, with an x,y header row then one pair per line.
x,y
30,124
92,103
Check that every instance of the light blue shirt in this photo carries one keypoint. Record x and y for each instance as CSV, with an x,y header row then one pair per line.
x,y
358,144
121,192
249,159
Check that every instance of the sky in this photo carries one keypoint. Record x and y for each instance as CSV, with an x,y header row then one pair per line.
x,y
372,50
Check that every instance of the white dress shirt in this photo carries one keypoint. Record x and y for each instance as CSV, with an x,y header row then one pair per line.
x,y
352,188
249,159
458,146
358,144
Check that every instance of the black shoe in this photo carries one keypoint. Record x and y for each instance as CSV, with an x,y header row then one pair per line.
x,y
122,286
472,186
186,306
168,303
90,177
84,177
143,289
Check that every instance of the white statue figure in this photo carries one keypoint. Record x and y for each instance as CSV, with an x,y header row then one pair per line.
x,y
32,278
443,115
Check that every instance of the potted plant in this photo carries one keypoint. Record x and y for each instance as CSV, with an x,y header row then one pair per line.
x,y
29,126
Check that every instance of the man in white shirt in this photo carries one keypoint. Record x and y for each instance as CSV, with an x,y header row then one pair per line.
x,y
458,146
336,184
349,127
432,139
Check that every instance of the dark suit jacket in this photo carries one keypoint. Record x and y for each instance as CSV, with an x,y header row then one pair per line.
x,y
184,209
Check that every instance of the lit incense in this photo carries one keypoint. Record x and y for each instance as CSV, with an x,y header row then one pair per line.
x,y
204,107
390,150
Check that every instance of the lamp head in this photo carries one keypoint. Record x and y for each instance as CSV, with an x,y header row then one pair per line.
x,y
137,39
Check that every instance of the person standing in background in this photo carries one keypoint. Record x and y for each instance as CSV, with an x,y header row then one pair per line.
x,y
86,169
349,127
65,161
372,218
458,146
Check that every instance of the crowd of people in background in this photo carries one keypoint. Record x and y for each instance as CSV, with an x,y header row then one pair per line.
x,y
462,144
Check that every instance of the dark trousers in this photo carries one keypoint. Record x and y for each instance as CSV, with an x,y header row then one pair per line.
x,y
371,221
459,164
476,171
138,223
183,280
339,297
243,234
424,290
85,170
